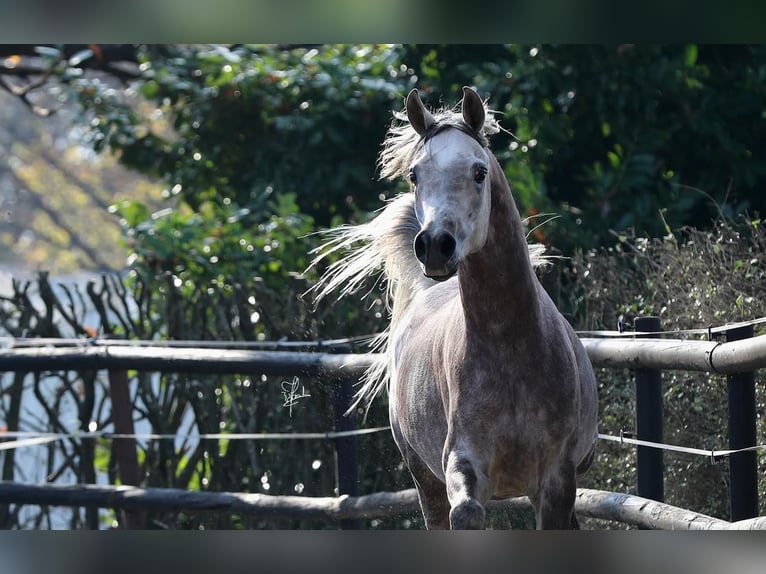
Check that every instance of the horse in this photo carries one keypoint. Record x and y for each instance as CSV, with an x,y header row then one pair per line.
x,y
491,392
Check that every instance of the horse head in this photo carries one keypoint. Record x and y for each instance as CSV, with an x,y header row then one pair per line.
x,y
452,190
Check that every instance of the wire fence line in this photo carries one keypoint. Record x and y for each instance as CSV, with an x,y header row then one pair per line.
x,y
24,342
714,455
628,332
32,438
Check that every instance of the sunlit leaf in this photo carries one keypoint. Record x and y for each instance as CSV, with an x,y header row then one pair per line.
x,y
48,51
80,57
690,54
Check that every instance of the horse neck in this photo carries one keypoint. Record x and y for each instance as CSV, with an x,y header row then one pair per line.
x,y
498,286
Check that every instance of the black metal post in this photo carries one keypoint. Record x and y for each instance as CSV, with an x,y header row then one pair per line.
x,y
346,452
649,461
743,466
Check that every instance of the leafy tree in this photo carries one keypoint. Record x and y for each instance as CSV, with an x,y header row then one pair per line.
x,y
249,120
644,137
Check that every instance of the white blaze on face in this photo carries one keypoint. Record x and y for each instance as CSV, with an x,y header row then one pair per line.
x,y
450,194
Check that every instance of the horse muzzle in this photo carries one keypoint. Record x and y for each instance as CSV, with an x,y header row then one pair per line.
x,y
436,253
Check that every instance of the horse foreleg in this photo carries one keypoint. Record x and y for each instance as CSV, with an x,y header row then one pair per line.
x,y
432,495
464,489
554,503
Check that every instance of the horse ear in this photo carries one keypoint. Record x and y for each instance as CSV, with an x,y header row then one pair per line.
x,y
473,109
419,117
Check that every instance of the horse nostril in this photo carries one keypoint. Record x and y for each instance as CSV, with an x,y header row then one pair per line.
x,y
446,245
421,246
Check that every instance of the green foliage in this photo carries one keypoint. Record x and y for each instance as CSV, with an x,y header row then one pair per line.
x,y
640,136
220,124
217,243
607,137
231,265
614,138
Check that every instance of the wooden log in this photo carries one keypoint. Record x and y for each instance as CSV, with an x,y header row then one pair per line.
x,y
175,360
684,355
644,513
687,355
380,504
625,508
650,353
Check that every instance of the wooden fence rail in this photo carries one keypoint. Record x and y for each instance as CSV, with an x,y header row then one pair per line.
x,y
175,360
685,355
625,508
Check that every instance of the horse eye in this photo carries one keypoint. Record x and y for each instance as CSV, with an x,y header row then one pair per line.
x,y
480,172
412,178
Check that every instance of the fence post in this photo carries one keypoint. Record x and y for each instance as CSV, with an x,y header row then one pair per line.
x,y
125,448
649,461
346,451
743,466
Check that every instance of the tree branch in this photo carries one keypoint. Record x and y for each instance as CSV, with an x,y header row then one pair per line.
x,y
102,53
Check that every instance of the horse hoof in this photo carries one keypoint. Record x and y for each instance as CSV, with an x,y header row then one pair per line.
x,y
467,515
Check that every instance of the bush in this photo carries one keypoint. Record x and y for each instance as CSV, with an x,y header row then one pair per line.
x,y
690,279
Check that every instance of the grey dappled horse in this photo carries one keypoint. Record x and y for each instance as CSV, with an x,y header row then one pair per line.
x,y
491,393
